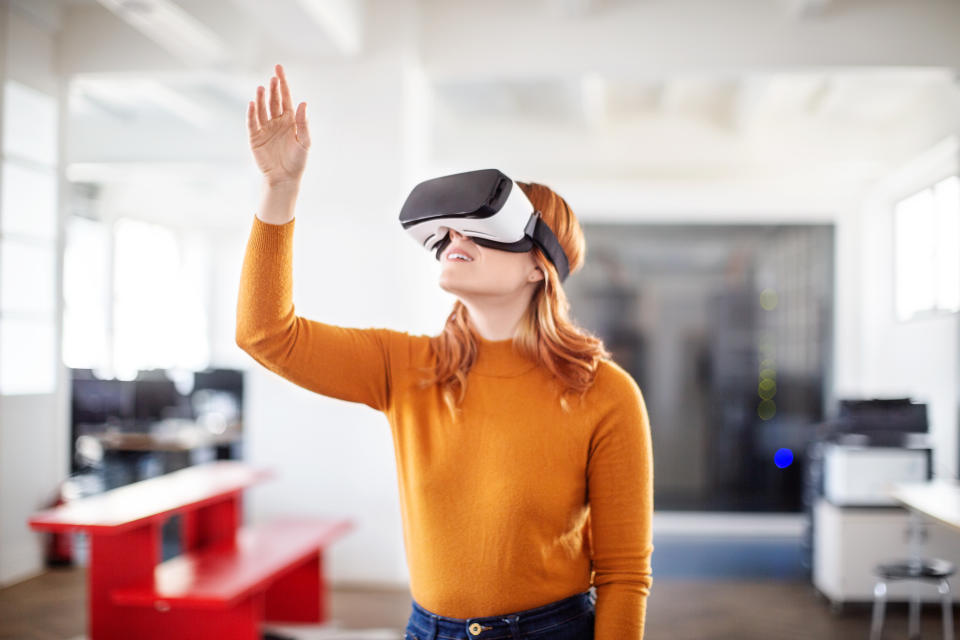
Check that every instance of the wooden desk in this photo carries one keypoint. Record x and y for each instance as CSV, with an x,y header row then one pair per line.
x,y
183,439
938,499
228,579
173,444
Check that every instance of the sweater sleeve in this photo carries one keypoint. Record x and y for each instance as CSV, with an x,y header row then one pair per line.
x,y
620,491
347,363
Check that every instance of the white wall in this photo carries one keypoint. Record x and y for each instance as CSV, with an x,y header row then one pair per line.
x,y
34,429
917,358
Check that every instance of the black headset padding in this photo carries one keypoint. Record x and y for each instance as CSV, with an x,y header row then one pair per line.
x,y
536,232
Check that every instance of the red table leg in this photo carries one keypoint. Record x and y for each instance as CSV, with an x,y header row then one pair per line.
x,y
241,621
118,560
213,524
300,595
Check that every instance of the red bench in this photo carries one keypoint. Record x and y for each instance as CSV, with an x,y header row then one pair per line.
x,y
229,579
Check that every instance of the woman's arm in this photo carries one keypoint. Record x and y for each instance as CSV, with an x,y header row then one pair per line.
x,y
340,362
620,492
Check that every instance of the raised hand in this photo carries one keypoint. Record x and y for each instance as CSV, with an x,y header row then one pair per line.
x,y
279,140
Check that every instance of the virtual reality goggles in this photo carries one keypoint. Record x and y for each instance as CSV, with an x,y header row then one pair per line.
x,y
485,205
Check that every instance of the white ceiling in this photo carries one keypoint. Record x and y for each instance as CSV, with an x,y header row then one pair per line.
x,y
824,123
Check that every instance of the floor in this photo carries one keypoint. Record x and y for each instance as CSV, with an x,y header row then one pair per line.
x,y
51,607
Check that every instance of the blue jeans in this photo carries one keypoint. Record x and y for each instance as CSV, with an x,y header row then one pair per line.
x,y
568,619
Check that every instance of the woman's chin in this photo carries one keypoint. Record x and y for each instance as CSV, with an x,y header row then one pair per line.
x,y
452,283
445,282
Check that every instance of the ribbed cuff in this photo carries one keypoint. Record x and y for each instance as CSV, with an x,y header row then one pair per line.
x,y
272,236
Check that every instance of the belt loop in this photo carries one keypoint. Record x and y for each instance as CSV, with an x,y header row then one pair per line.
x,y
432,635
514,626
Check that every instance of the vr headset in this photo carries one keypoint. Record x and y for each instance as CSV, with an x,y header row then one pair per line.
x,y
485,205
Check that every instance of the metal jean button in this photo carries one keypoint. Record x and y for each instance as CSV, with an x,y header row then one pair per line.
x,y
475,628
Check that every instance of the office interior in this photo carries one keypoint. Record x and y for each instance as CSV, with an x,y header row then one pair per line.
x,y
770,193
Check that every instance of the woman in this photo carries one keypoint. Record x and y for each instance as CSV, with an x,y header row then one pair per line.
x,y
523,452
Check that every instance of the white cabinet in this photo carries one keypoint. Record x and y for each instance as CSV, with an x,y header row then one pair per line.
x,y
848,542
861,476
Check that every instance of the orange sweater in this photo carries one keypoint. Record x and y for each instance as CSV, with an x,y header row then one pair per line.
x,y
503,510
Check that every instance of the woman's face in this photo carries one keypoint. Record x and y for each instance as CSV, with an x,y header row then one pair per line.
x,y
491,272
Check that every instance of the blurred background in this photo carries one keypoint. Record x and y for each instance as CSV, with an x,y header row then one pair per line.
x,y
770,195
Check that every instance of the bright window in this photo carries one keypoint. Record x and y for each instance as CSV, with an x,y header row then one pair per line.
x,y
27,346
28,242
28,283
927,250
86,295
29,200
29,125
144,308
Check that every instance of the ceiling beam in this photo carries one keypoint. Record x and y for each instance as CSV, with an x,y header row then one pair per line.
x,y
657,39
311,28
800,9
570,8
341,20
175,30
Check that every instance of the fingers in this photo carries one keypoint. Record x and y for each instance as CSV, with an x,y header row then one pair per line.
x,y
274,98
257,114
261,107
303,131
284,89
252,124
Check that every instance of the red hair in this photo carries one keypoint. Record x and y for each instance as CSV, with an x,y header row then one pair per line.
x,y
546,333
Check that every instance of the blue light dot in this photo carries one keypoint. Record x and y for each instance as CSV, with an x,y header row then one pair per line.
x,y
783,458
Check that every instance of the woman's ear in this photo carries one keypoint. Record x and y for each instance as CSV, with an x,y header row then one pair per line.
x,y
536,275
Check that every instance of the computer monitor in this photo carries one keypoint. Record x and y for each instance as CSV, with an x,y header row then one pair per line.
x,y
96,401
877,416
230,380
156,397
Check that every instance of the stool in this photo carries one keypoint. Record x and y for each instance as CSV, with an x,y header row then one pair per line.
x,y
928,569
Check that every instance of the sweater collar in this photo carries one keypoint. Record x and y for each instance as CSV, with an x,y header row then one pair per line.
x,y
500,358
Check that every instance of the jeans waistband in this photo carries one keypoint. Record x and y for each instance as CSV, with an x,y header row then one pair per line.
x,y
507,625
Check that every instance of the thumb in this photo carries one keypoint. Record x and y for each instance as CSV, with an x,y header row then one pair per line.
x,y
303,130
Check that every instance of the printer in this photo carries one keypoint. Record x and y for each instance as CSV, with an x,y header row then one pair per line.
x,y
871,445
